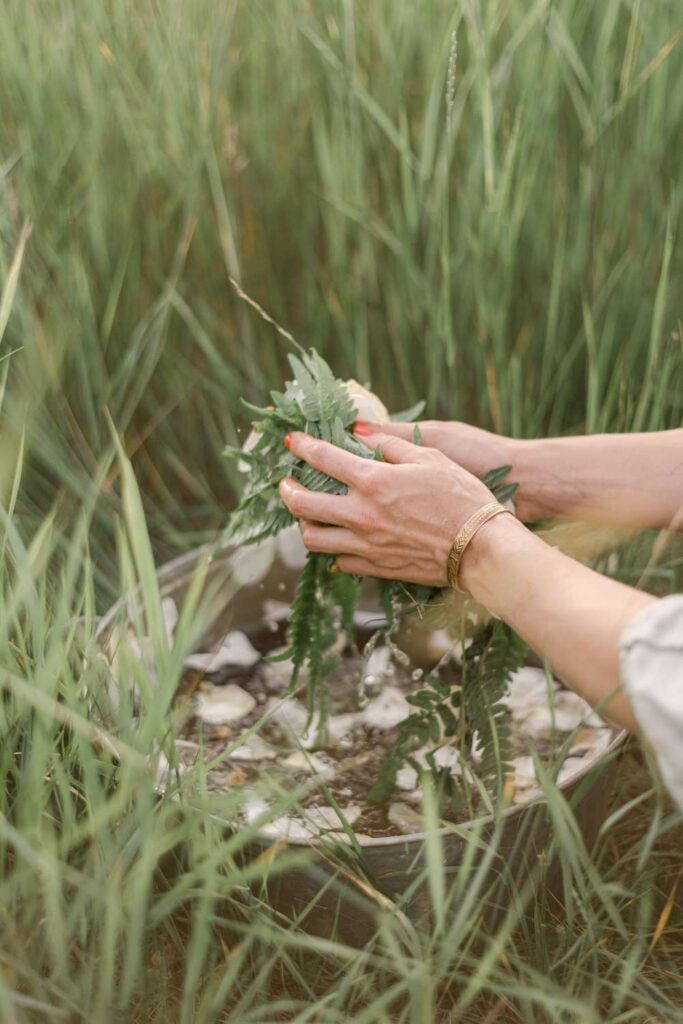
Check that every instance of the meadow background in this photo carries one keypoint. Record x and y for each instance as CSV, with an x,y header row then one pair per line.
x,y
512,254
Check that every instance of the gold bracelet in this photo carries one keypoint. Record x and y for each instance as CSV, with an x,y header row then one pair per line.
x,y
465,535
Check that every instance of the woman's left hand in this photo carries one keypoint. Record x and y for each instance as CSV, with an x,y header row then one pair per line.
x,y
399,517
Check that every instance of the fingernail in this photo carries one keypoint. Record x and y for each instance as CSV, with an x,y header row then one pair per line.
x,y
362,428
287,440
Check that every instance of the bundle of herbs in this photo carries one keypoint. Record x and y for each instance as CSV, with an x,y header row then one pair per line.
x,y
469,708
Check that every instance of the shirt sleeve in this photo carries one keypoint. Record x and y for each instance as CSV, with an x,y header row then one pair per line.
x,y
651,659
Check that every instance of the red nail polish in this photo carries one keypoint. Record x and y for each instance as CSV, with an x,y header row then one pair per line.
x,y
287,440
362,428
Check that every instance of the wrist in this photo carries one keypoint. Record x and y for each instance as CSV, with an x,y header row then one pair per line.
x,y
526,459
483,564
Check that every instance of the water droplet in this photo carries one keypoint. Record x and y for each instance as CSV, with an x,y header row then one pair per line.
x,y
417,675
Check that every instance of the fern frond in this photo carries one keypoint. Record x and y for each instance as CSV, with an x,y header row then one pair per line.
x,y
319,403
303,616
488,665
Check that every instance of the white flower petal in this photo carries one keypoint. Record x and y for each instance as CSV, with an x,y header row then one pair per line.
x,y
368,405
251,564
290,547
236,650
223,705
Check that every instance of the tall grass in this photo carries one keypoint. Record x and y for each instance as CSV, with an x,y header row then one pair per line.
x,y
518,264
521,269
119,902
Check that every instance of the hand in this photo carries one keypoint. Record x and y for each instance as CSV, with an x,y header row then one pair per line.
x,y
399,517
475,449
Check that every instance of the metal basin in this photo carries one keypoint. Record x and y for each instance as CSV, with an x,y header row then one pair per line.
x,y
340,891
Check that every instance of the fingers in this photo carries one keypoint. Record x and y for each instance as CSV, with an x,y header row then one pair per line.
x,y
328,458
393,449
364,428
311,505
332,540
356,565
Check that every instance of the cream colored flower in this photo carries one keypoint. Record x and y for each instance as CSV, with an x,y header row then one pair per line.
x,y
368,406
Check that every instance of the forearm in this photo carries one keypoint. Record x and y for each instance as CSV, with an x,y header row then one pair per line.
x,y
631,480
568,614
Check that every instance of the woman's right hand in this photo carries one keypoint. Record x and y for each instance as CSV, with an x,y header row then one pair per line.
x,y
633,481
476,450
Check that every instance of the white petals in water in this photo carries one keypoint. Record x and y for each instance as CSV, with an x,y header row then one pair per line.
x,y
378,669
405,818
292,827
540,722
277,674
289,716
302,761
387,710
528,689
448,757
338,727
335,730
254,807
297,750
570,767
290,548
223,705
378,664
286,827
526,783
250,565
527,698
253,749
406,778
236,650
589,717
525,772
565,716
275,612
523,796
329,818
591,741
